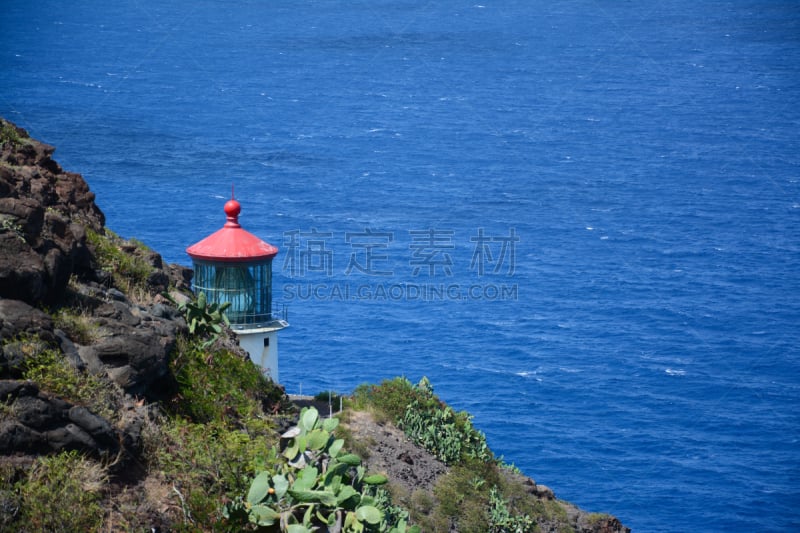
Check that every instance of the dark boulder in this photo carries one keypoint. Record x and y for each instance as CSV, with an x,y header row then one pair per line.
x,y
16,437
18,319
42,422
22,270
132,347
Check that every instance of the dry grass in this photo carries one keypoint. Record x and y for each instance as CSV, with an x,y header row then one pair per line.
x,y
77,323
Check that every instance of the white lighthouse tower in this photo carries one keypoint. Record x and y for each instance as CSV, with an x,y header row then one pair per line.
x,y
233,265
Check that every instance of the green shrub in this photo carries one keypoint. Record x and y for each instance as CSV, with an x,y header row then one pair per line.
x,y
515,494
52,372
128,270
9,134
61,494
501,520
329,396
477,496
206,464
220,385
422,511
216,435
596,518
463,494
390,399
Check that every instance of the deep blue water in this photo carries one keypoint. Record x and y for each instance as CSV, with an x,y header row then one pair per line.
x,y
635,350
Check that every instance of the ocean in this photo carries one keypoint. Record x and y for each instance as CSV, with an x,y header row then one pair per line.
x,y
579,219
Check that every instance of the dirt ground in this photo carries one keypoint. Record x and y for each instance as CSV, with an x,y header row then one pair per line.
x,y
393,454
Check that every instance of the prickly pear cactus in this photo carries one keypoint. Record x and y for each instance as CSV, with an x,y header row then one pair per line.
x,y
314,486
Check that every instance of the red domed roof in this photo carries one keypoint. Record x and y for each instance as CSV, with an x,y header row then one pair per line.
x,y
232,243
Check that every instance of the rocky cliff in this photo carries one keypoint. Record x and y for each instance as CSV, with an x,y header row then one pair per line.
x,y
88,350
48,263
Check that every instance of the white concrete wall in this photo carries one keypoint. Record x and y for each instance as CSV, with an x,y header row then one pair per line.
x,y
264,356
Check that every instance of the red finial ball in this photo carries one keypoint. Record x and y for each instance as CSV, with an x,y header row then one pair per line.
x,y
232,209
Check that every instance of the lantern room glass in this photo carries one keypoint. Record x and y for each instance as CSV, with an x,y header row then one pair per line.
x,y
247,286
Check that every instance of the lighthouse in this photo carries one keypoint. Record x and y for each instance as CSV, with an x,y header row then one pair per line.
x,y
233,265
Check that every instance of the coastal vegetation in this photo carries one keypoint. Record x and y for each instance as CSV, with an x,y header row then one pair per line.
x,y
115,256
213,460
312,485
9,134
204,319
52,372
477,492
